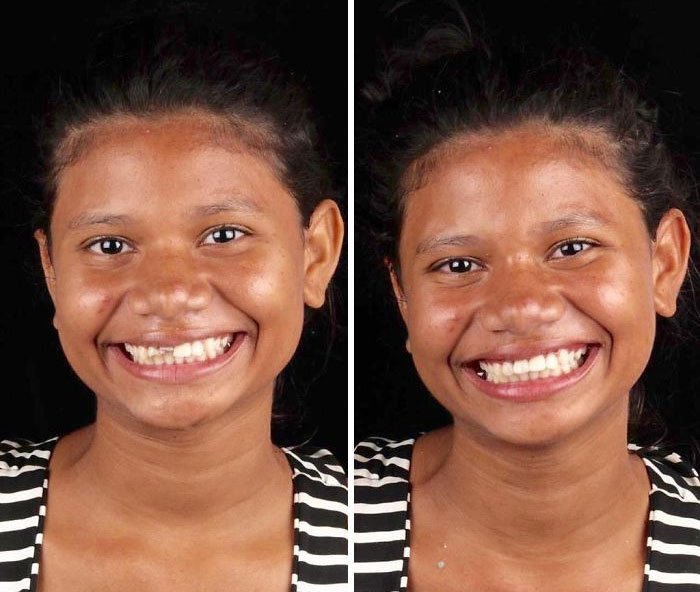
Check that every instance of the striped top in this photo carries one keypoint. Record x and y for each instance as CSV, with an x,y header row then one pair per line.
x,y
320,517
383,524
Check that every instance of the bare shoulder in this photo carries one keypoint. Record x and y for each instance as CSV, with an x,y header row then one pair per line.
x,y
70,448
429,454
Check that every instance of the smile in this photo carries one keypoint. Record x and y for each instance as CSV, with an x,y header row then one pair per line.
x,y
557,363
188,352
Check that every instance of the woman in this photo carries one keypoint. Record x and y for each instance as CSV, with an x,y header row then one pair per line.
x,y
185,230
535,229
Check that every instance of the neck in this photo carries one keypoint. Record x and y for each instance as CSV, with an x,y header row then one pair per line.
x,y
184,476
531,501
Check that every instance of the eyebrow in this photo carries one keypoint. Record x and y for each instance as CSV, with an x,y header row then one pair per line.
x,y
93,218
453,240
469,240
233,204
583,218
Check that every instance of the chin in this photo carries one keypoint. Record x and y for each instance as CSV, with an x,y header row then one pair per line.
x,y
533,439
538,431
179,413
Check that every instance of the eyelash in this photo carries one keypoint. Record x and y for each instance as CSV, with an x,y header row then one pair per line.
x,y
94,245
237,233
232,233
588,243
443,266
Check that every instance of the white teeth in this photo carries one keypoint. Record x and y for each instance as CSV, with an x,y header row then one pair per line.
x,y
537,364
541,366
183,353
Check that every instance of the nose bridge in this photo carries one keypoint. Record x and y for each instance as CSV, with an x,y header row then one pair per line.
x,y
522,298
168,282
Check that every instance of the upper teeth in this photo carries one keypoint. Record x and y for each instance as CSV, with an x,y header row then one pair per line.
x,y
556,363
191,351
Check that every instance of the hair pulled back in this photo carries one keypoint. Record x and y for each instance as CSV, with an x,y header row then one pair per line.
x,y
449,84
176,61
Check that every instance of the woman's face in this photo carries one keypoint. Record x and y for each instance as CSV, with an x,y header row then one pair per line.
x,y
179,268
529,286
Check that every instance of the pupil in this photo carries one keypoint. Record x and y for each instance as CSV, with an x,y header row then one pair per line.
x,y
111,246
223,235
572,248
459,266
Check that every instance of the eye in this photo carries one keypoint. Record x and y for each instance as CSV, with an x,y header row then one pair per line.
x,y
223,234
571,247
109,245
457,265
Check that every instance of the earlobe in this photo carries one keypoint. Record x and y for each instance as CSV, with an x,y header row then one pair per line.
x,y
323,243
670,260
45,255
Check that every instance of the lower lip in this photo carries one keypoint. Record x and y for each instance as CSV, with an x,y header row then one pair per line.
x,y
537,389
176,373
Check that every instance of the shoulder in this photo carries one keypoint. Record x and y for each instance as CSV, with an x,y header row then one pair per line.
x,y
674,518
380,461
671,474
675,490
381,475
19,457
382,494
316,464
320,516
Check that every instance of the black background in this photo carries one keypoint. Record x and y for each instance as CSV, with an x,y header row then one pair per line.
x,y
40,396
658,43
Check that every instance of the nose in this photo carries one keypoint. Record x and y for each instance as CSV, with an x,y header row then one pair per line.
x,y
521,302
168,287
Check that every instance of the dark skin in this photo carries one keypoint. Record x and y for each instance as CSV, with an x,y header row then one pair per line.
x,y
135,535
536,535
517,245
165,233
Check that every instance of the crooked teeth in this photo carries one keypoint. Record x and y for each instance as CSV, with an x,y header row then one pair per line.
x,y
541,366
183,353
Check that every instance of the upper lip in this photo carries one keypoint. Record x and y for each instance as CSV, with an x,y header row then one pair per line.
x,y
525,351
167,339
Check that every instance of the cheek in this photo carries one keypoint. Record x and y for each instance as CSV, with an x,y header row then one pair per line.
x,y
621,301
79,298
625,295
435,322
274,291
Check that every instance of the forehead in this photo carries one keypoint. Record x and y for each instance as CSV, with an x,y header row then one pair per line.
x,y
514,180
168,160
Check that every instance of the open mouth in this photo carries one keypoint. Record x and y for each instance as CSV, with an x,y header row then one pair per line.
x,y
551,364
188,352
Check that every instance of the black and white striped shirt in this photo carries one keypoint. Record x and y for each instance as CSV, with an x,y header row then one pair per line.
x,y
383,525
320,517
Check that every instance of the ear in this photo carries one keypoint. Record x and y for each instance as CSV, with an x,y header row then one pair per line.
x,y
399,295
323,243
45,254
670,260
398,290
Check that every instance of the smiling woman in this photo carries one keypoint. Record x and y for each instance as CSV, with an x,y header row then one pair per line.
x,y
536,232
185,233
